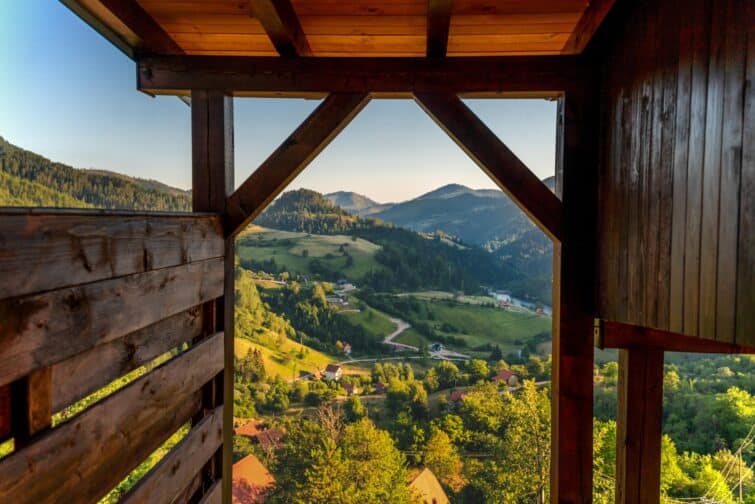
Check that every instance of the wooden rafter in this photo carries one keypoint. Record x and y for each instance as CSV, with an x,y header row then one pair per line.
x,y
542,76
495,159
438,23
279,20
293,155
610,334
588,24
153,37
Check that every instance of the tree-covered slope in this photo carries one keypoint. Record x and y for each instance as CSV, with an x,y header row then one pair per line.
x,y
15,191
100,189
410,261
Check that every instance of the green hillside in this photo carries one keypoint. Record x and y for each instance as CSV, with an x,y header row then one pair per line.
x,y
273,251
408,260
16,191
71,187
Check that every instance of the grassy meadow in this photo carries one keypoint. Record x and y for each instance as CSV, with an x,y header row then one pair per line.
x,y
294,252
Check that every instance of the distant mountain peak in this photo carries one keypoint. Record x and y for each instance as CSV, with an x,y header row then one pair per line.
x,y
355,203
447,191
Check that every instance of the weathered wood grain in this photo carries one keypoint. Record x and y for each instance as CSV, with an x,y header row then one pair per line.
x,y
43,329
638,426
176,470
674,210
746,242
82,459
85,373
319,76
612,334
731,163
212,150
574,303
213,174
48,250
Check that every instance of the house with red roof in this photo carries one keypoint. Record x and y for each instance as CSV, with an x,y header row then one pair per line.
x,y
251,481
333,372
456,395
506,376
351,389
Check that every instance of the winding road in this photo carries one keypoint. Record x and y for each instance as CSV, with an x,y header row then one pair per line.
x,y
401,326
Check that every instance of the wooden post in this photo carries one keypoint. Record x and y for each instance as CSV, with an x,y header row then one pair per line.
x,y
638,426
573,303
212,182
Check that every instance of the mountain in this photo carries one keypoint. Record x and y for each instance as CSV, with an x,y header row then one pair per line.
x,y
43,182
410,260
484,217
356,203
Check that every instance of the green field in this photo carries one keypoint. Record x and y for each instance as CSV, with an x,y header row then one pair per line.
x,y
479,325
286,363
289,249
374,322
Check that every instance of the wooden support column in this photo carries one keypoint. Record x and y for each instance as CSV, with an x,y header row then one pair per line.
x,y
638,426
212,182
574,299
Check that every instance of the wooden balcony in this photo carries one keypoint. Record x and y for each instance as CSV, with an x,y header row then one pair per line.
x,y
653,218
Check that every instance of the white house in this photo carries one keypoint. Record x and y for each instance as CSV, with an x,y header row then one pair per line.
x,y
333,372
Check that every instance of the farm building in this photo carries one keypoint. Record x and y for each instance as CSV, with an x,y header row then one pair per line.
x,y
333,372
652,218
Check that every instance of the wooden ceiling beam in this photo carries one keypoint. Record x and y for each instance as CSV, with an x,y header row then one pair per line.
x,y
438,23
593,16
281,24
153,38
497,160
293,155
542,76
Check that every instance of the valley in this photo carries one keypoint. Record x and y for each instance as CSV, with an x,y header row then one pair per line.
x,y
410,335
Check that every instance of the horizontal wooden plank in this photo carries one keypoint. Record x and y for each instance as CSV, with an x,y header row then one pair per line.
x,y
45,251
77,377
82,459
176,470
43,329
265,76
610,334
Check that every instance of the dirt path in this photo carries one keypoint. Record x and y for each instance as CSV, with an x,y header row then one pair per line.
x,y
401,326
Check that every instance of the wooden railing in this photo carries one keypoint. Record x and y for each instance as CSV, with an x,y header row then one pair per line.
x,y
87,297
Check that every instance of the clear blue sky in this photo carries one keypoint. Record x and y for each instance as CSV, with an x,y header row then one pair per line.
x,y
68,94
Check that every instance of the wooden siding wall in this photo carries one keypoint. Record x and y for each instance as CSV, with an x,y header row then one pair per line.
x,y
85,298
677,207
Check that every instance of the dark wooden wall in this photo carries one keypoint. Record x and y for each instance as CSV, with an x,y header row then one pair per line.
x,y
677,206
85,298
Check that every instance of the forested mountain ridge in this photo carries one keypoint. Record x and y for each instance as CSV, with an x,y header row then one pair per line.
x,y
55,184
412,261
